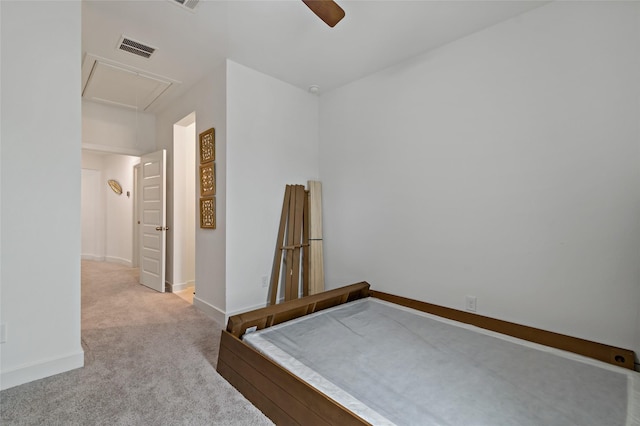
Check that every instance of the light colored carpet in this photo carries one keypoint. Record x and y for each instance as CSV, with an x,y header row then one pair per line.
x,y
149,360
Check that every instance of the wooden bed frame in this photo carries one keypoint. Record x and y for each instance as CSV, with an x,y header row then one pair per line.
x,y
287,400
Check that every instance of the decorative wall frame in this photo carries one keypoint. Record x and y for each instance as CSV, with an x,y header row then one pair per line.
x,y
208,179
208,212
208,145
115,186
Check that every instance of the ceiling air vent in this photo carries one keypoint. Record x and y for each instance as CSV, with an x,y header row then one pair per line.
x,y
135,47
188,4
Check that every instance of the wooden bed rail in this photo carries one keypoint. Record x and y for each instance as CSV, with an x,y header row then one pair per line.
x,y
609,354
275,314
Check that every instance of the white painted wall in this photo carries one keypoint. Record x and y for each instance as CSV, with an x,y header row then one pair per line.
x,y
272,141
266,137
92,206
183,268
92,160
107,218
117,130
505,166
208,100
92,215
40,166
119,208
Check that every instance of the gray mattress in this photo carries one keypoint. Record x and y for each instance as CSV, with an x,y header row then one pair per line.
x,y
393,365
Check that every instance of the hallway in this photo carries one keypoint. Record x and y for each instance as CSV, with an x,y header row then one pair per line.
x,y
149,359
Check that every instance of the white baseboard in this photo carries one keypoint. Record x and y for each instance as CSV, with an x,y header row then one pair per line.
x,y
210,311
119,260
180,286
219,315
92,257
28,373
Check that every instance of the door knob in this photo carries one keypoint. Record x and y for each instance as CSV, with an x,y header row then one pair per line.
x,y
160,228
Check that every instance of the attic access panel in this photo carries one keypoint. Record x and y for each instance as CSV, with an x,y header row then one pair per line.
x,y
116,85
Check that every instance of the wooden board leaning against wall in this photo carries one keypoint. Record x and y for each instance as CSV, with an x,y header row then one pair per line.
x,y
298,259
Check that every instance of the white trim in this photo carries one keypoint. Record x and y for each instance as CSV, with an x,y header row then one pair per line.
x,y
30,372
180,286
92,257
135,243
112,149
119,260
210,311
219,315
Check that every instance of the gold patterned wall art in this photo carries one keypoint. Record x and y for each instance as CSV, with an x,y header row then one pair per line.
x,y
115,186
208,212
208,145
208,179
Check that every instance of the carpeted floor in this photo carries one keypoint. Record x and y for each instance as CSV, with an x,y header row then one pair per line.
x,y
149,360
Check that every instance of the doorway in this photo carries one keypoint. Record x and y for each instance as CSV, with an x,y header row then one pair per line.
x,y
184,208
107,225
110,220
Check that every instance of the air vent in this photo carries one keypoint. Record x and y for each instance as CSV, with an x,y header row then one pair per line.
x,y
188,4
135,47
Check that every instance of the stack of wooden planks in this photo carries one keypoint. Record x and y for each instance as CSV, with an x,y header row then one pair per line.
x,y
316,273
298,258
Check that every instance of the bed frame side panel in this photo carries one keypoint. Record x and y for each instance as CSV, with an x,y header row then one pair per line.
x,y
280,395
609,354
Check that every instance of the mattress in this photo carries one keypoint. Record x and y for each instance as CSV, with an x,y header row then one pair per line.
x,y
393,365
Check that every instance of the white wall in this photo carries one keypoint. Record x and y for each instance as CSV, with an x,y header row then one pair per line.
x,y
120,130
505,166
92,160
208,100
92,213
266,137
119,208
272,141
40,166
92,206
107,218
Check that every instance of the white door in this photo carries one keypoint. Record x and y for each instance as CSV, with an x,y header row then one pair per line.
x,y
153,219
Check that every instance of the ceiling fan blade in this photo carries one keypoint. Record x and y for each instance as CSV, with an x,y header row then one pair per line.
x,y
327,10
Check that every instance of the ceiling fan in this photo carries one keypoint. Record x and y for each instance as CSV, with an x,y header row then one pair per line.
x,y
327,10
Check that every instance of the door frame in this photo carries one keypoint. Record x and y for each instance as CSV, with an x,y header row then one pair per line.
x,y
135,251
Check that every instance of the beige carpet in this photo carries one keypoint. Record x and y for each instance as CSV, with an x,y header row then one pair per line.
x,y
149,360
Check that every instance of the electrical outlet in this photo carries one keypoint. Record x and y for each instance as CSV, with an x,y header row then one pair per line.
x,y
265,281
471,303
3,333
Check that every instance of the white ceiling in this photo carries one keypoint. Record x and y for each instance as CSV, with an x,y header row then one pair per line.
x,y
281,38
